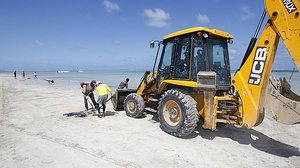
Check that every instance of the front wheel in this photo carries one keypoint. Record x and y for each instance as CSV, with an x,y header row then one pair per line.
x,y
134,105
177,113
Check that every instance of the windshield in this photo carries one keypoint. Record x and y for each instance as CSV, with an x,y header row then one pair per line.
x,y
211,54
218,59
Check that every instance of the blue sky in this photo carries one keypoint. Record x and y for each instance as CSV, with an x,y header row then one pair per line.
x,y
115,34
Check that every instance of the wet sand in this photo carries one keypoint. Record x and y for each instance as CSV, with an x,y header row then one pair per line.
x,y
34,133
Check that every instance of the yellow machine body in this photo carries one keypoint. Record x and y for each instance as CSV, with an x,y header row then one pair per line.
x,y
244,104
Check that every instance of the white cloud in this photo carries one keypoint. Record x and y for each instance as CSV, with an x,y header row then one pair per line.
x,y
157,17
110,6
246,13
203,19
38,43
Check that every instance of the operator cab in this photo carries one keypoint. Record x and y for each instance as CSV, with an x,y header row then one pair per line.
x,y
189,51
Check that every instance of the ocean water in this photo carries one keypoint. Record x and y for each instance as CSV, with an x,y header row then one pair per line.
x,y
109,77
113,77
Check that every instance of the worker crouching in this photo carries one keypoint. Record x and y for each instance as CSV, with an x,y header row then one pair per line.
x,y
103,90
87,91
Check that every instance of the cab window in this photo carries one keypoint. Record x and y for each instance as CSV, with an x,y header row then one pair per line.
x,y
164,70
182,58
198,57
217,54
167,56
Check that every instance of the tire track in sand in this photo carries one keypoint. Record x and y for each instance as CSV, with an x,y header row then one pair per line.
x,y
99,154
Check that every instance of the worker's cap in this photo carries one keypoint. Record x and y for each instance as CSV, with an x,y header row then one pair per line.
x,y
99,82
93,81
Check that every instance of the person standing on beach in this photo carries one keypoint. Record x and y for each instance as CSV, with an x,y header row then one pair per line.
x,y
35,75
87,91
15,74
23,74
124,84
103,90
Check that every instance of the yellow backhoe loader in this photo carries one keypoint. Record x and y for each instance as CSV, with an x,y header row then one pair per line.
x,y
193,77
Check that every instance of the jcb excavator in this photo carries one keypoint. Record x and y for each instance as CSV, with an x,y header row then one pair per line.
x,y
193,77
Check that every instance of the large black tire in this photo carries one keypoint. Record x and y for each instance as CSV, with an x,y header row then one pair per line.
x,y
177,113
134,105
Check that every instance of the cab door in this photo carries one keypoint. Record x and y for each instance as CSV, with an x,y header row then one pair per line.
x,y
182,58
165,67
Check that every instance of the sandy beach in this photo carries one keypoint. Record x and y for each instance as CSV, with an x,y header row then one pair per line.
x,y
35,133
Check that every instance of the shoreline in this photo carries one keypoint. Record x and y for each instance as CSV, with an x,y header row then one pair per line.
x,y
113,78
34,133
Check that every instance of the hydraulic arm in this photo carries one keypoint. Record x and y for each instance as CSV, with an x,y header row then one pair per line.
x,y
252,79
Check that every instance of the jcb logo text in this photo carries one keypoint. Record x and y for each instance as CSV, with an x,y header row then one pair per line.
x,y
258,66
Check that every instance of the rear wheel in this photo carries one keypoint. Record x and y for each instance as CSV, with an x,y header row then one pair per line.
x,y
134,105
177,113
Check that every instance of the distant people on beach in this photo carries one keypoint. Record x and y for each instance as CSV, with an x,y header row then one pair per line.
x,y
23,74
49,80
103,90
15,74
124,84
87,91
35,75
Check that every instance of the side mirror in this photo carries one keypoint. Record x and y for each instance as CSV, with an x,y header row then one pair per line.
x,y
152,42
230,41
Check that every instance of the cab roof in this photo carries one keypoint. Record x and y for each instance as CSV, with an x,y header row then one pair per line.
x,y
215,32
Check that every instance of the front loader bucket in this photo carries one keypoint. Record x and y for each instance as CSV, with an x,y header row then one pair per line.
x,y
119,97
282,103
